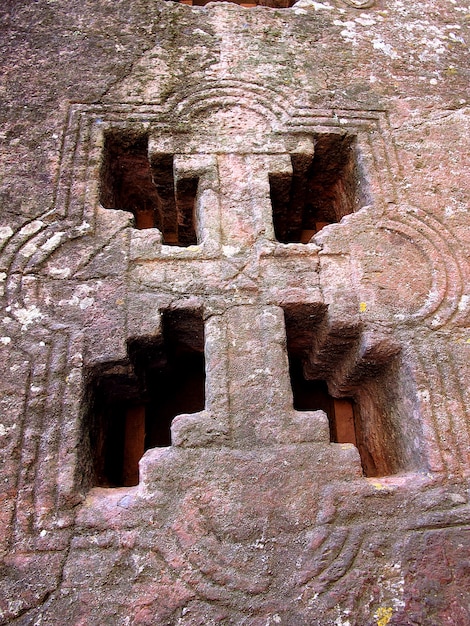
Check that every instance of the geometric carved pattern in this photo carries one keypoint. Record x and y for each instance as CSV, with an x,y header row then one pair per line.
x,y
182,547
28,250
78,177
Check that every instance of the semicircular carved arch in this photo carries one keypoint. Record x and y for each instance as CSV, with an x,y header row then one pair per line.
x,y
445,267
193,100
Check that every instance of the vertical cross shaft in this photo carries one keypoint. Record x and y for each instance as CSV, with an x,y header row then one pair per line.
x,y
245,341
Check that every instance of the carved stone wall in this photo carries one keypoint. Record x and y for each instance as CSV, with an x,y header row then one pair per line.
x,y
235,313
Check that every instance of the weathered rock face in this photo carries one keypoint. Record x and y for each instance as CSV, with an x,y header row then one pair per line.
x,y
235,314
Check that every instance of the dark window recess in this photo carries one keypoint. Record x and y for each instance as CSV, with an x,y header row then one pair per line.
x,y
129,182
313,395
275,4
369,400
321,190
130,405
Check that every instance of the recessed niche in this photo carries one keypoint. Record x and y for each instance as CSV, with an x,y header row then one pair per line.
x,y
274,4
322,189
130,182
129,405
368,396
313,395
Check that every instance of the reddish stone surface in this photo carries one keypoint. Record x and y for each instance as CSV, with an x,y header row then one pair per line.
x,y
262,212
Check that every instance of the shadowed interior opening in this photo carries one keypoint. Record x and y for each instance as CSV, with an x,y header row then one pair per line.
x,y
275,4
130,182
323,188
313,395
130,404
360,383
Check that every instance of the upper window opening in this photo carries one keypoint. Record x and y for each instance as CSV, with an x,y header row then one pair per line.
x,y
130,405
321,190
129,182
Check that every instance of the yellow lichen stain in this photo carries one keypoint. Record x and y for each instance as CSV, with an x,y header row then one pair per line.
x,y
377,484
384,615
120,302
467,340
362,307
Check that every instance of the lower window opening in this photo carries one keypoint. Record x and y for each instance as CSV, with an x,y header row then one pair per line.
x,y
130,405
313,395
370,400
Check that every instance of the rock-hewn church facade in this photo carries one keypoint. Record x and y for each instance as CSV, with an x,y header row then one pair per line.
x,y
235,336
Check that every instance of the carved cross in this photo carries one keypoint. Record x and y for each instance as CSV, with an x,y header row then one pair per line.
x,y
248,286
